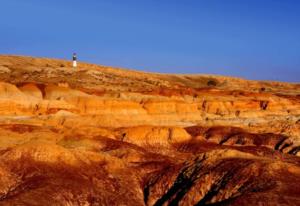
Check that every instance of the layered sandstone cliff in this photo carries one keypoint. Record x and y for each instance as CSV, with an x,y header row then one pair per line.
x,y
97,135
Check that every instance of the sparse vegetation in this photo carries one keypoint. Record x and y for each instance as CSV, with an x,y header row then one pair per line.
x,y
262,89
212,83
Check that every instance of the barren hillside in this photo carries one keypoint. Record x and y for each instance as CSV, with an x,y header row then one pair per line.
x,y
98,135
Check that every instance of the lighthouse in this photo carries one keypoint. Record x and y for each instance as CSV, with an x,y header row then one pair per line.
x,y
74,60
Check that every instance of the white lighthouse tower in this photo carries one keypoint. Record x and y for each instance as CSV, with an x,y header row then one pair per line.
x,y
74,60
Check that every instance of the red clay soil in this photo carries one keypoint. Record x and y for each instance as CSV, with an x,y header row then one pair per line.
x,y
98,135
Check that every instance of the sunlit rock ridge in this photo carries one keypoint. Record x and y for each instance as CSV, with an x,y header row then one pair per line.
x,y
97,135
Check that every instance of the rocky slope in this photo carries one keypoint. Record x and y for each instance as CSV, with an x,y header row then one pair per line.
x,y
98,135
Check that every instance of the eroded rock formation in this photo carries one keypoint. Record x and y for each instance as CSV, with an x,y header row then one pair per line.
x,y
97,135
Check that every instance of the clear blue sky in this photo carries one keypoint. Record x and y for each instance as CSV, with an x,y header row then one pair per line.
x,y
255,39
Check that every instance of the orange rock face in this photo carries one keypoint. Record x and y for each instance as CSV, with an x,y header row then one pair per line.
x,y
98,135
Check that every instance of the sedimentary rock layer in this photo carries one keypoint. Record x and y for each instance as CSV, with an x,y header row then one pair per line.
x,y
98,135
